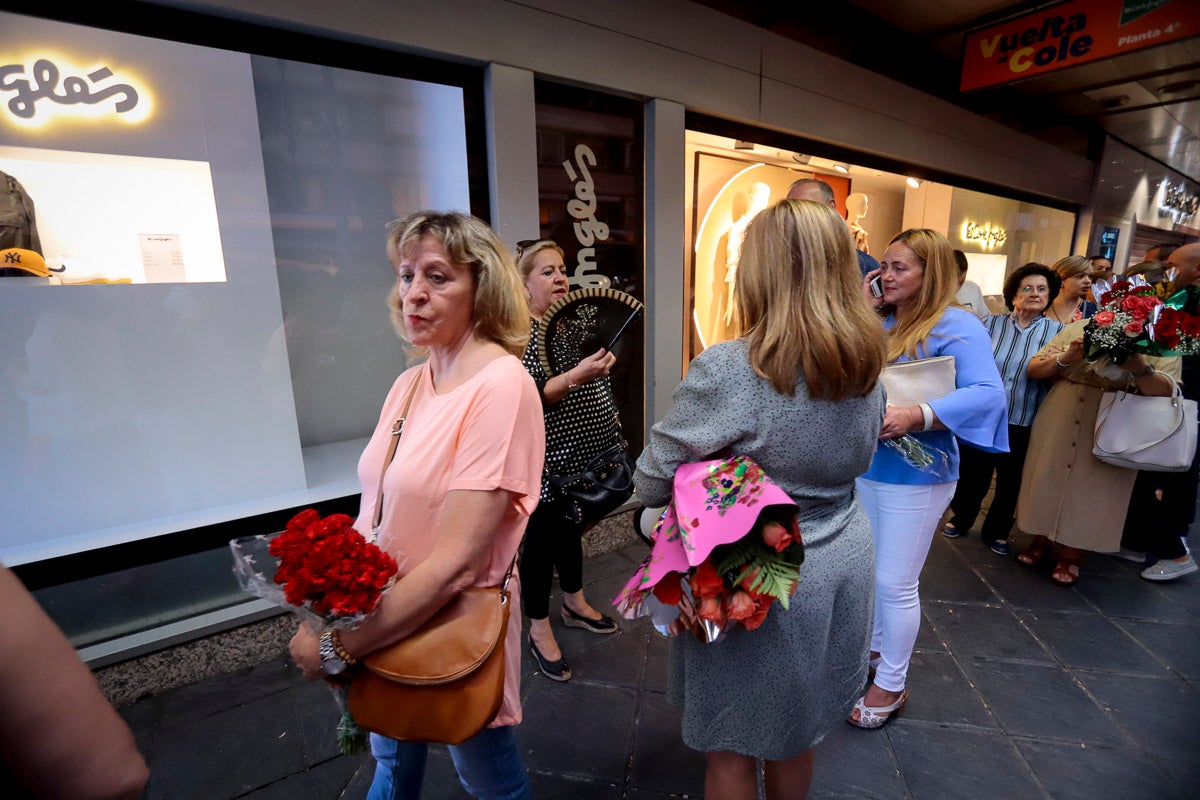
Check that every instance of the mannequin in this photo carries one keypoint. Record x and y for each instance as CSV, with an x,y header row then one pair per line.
x,y
856,209
758,197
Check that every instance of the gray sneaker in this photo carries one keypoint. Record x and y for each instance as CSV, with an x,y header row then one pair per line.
x,y
1167,569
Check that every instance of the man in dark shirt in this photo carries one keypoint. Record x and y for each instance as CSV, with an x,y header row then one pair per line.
x,y
821,192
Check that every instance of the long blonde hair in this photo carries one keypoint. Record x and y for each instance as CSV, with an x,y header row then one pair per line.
x,y
800,304
500,313
939,285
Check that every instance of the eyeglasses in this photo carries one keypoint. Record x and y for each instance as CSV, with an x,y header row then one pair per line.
x,y
526,244
1033,289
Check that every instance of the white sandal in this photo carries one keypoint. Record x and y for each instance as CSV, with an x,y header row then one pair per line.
x,y
872,717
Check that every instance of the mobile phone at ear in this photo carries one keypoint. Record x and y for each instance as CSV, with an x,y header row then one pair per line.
x,y
877,286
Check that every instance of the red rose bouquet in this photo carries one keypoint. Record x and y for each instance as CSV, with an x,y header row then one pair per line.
x,y
725,550
1134,319
325,572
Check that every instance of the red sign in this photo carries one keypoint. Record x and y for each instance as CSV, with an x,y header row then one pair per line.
x,y
1072,33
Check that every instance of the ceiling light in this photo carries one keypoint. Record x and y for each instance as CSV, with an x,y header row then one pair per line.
x,y
842,167
738,144
1110,103
801,158
1178,86
913,182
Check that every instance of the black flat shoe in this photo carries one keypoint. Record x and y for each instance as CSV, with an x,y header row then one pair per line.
x,y
554,670
603,625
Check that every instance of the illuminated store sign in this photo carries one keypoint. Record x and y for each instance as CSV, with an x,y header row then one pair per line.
x,y
1072,33
588,229
986,236
49,88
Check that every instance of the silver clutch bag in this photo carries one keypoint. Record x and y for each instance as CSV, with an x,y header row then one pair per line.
x,y
910,383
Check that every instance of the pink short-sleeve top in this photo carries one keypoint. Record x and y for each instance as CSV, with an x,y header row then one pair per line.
x,y
488,433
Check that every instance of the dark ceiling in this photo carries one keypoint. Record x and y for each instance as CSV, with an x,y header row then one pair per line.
x,y
1148,99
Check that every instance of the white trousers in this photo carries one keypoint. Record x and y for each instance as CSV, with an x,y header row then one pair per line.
x,y
903,521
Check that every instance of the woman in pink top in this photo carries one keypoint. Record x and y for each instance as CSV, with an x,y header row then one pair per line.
x,y
463,482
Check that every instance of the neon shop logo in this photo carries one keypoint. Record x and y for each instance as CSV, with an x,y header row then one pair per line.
x,y
40,85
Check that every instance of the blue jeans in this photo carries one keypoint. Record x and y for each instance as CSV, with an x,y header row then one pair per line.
x,y
489,767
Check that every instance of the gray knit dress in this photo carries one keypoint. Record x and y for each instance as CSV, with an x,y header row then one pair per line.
x,y
775,692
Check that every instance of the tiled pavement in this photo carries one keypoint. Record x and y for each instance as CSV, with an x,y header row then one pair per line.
x,y
1019,689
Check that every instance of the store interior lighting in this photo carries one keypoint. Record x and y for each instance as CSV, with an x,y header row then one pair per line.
x,y
843,167
913,182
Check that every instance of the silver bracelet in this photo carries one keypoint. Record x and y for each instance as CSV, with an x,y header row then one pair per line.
x,y
1060,364
927,416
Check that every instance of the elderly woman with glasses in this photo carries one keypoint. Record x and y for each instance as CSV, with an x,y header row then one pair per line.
x,y
1016,337
581,422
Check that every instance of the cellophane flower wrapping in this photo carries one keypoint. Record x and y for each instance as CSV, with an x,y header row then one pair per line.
x,y
726,549
921,456
1134,317
326,573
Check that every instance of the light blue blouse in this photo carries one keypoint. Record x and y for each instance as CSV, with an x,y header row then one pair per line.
x,y
976,411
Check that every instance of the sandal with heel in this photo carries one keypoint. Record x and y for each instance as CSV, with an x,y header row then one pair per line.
x,y
872,717
1034,554
1066,572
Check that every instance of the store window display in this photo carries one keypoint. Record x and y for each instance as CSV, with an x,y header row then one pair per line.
x,y
856,209
758,198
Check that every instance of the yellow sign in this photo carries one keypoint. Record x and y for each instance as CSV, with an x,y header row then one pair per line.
x,y
986,235
41,88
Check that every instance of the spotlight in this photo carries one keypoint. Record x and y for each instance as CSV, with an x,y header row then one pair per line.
x,y
738,144
801,158
913,182
842,167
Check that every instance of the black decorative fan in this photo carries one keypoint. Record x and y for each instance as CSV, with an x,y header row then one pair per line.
x,y
578,324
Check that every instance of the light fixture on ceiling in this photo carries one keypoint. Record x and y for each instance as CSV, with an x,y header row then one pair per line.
x,y
1178,86
841,166
801,158
913,182
738,144
1109,103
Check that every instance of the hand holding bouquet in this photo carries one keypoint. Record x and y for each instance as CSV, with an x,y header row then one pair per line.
x,y
325,572
725,550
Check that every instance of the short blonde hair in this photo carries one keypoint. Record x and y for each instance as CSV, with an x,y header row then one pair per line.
x,y
500,313
800,305
526,253
939,285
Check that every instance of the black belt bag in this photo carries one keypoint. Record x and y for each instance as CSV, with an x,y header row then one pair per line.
x,y
599,488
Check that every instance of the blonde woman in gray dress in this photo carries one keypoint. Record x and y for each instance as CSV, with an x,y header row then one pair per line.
x,y
798,393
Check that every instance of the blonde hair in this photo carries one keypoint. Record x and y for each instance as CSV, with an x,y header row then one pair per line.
x,y
525,256
500,313
1071,266
939,284
800,305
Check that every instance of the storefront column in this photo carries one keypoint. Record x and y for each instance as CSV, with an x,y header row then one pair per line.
x,y
512,152
665,256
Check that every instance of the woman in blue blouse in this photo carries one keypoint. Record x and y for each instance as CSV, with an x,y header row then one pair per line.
x,y
904,503
1016,338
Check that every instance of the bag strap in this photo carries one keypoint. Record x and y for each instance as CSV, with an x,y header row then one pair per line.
x,y
397,430
1176,402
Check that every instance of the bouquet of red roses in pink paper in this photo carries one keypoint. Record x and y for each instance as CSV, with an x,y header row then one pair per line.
x,y
725,550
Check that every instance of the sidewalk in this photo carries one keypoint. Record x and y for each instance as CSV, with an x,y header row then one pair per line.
x,y
1019,689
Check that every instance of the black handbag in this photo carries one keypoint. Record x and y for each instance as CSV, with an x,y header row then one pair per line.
x,y
599,488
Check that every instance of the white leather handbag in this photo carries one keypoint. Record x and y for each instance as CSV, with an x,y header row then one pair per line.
x,y
1157,434
910,383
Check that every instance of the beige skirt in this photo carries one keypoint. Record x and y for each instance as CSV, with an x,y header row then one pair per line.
x,y
1067,494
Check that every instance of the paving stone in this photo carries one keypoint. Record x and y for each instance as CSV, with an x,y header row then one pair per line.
x,y
940,763
661,761
1177,645
856,763
1022,587
1131,597
1159,713
940,692
618,659
1043,701
554,710
321,782
1090,641
977,631
1071,772
954,580
212,695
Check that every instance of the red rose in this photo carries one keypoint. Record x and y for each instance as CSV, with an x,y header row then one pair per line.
x,y
1190,326
777,536
669,589
710,609
762,605
1104,317
740,606
705,581
1134,329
